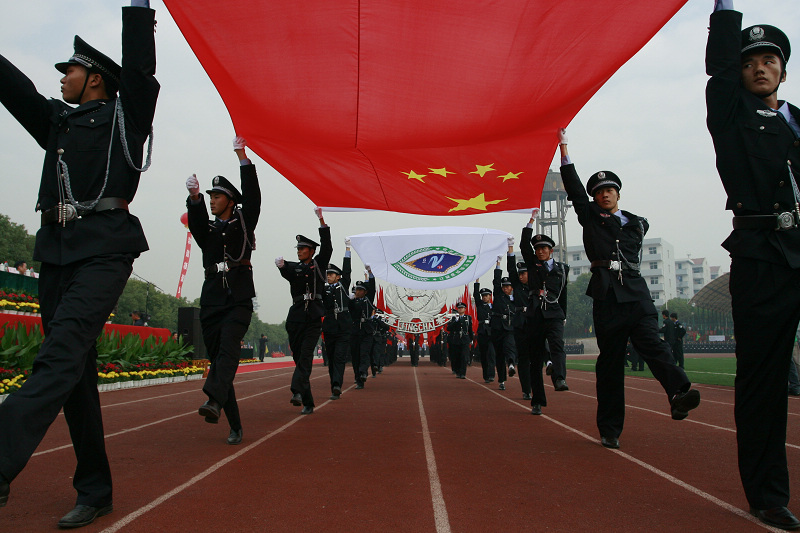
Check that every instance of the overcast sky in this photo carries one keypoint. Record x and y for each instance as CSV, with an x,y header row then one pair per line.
x,y
647,124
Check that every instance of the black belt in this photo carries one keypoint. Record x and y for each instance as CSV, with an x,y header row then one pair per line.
x,y
67,212
212,270
615,265
306,296
781,222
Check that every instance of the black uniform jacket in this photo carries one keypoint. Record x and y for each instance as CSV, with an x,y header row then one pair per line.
x,y
482,310
308,278
522,293
503,307
361,310
755,148
601,230
228,241
83,135
336,299
668,330
554,281
460,330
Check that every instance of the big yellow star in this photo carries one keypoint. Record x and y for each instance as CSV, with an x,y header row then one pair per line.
x,y
511,176
479,202
414,176
483,169
440,171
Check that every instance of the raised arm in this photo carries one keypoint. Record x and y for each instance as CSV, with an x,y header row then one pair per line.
x,y
251,192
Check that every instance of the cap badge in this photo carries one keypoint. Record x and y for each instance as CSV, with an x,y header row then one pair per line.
x,y
216,180
601,175
757,33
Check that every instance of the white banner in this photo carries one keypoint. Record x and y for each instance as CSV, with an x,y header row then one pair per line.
x,y
431,258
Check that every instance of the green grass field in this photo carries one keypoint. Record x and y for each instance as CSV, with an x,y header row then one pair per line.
x,y
707,370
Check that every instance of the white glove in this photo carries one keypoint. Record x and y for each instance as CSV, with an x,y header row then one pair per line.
x,y
511,241
499,258
535,212
279,262
239,143
192,185
318,212
369,268
562,136
347,242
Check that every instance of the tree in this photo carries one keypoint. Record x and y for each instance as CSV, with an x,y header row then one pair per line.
x,y
16,244
579,309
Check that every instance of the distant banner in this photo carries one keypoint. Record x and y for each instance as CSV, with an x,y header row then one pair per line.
x,y
431,258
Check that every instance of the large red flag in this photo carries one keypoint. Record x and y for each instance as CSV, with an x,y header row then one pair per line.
x,y
439,107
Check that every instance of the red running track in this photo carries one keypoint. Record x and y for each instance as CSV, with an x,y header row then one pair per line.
x,y
416,450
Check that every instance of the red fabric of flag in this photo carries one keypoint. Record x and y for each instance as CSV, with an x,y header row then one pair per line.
x,y
441,108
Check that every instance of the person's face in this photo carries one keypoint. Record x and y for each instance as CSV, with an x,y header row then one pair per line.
x,y
543,253
508,289
333,278
762,72
304,253
22,268
360,293
219,203
461,310
485,298
72,83
523,277
607,198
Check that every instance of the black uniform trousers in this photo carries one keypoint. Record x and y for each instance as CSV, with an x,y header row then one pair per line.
x,y
76,300
766,313
614,323
337,346
544,333
360,348
414,354
303,337
486,351
458,356
224,327
677,352
522,341
505,352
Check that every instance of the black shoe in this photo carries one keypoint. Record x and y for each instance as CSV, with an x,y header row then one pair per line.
x,y
610,442
363,377
336,393
549,368
83,515
235,437
487,380
537,410
210,410
359,385
296,400
462,376
561,385
683,402
526,396
5,489
307,410
380,370
779,517
502,385
512,370
794,392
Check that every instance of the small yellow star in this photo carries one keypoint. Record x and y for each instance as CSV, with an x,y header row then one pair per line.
x,y
414,176
483,169
511,176
479,202
440,171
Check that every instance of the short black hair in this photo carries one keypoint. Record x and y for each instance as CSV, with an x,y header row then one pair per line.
x,y
664,312
673,315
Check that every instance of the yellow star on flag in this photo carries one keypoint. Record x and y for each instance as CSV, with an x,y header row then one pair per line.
x,y
483,169
479,202
511,176
414,176
440,171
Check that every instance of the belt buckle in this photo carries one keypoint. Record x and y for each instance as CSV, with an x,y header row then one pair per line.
x,y
222,267
66,212
616,266
785,221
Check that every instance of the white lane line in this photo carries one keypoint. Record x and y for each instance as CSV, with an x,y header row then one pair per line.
x,y
437,498
137,428
116,526
691,488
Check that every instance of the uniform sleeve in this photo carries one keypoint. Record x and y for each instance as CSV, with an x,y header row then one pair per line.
x,y
528,254
198,220
562,300
251,196
724,65
511,266
138,89
347,269
576,193
23,101
476,292
326,247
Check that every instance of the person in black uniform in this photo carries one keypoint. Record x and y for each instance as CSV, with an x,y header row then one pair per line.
x,y
503,310
362,309
483,311
518,276
622,306
460,336
378,351
338,324
668,330
87,243
306,278
756,139
262,347
680,332
226,301
546,313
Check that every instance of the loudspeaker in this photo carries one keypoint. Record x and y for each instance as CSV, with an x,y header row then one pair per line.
x,y
189,328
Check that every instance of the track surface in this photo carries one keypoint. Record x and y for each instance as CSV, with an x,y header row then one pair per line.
x,y
416,450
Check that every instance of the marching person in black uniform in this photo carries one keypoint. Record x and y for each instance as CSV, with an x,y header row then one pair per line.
x,y
306,278
546,313
518,276
757,141
226,301
483,311
622,306
680,332
460,336
362,309
503,310
668,330
87,243
338,324
378,351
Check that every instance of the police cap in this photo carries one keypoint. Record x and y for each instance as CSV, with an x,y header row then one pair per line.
x,y
222,185
360,285
484,292
461,305
333,269
522,267
604,178
303,241
87,56
766,36
505,281
542,240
